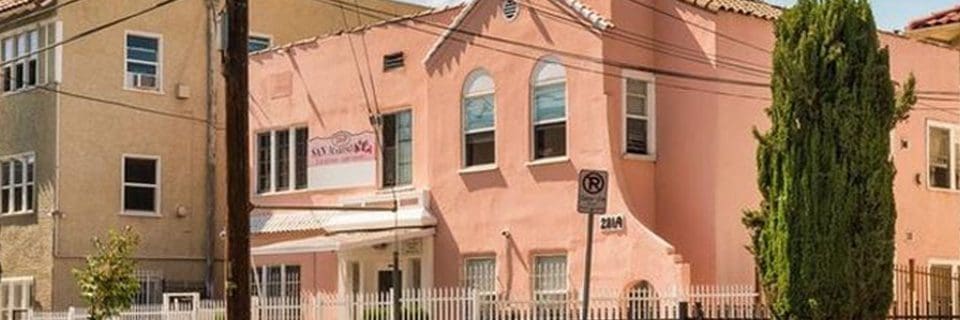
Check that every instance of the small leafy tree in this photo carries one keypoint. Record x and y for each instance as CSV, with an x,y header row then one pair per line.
x,y
823,236
108,281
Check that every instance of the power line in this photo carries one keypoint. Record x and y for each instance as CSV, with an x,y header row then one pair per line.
x,y
702,27
90,31
654,44
573,55
126,105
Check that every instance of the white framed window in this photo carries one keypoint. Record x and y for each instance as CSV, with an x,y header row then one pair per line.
x,y
639,107
16,297
276,281
397,162
282,160
943,287
479,120
258,42
143,61
550,277
140,194
943,155
549,104
480,273
21,61
17,180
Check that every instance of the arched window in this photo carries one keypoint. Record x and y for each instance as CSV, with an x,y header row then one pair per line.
x,y
479,114
549,109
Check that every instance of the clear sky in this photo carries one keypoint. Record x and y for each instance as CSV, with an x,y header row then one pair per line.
x,y
895,14
890,14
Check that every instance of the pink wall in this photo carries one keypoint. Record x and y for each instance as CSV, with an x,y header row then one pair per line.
x,y
684,206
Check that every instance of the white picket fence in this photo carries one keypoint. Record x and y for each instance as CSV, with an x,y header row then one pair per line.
x,y
715,302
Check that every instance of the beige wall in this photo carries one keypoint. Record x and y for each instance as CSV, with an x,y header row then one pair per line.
x,y
95,136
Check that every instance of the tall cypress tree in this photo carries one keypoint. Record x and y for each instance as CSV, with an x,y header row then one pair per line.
x,y
823,237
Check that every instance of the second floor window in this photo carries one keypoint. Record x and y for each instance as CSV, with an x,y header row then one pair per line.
x,y
549,110
16,184
141,185
479,113
943,159
638,112
143,62
397,149
282,160
21,66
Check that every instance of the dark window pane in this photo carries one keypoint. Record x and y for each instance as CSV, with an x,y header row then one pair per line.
x,y
139,198
5,201
7,74
301,158
292,278
273,284
31,72
142,54
637,136
140,171
282,156
142,43
550,140
263,162
29,198
18,199
18,78
480,148
134,67
30,170
17,171
389,150
939,157
255,43
5,173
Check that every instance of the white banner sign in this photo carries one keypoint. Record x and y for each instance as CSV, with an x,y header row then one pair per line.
x,y
343,160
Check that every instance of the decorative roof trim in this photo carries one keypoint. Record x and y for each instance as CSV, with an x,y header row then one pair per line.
x,y
939,18
596,20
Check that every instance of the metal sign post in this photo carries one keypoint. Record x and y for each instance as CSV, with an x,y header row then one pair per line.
x,y
591,200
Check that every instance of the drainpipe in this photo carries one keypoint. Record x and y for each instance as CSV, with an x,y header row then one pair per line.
x,y
211,187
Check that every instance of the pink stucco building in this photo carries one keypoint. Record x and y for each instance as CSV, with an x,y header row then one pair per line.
x,y
488,110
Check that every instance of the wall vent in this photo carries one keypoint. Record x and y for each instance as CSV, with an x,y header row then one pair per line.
x,y
393,61
510,9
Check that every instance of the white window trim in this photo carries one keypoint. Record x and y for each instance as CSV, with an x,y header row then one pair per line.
x,y
156,213
954,273
566,275
159,63
262,282
34,55
292,166
466,272
954,140
463,126
533,112
651,117
261,35
25,156
380,161
26,299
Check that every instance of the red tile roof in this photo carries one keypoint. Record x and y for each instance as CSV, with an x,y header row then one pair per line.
x,y
756,8
944,17
11,8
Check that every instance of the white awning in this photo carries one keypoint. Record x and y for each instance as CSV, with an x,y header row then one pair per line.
x,y
341,241
331,221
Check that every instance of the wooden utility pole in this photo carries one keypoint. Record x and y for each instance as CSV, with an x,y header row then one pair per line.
x,y
238,190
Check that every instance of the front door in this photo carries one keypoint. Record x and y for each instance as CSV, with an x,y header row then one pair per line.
x,y
385,280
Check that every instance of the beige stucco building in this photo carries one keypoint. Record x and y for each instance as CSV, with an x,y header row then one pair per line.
x,y
111,129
